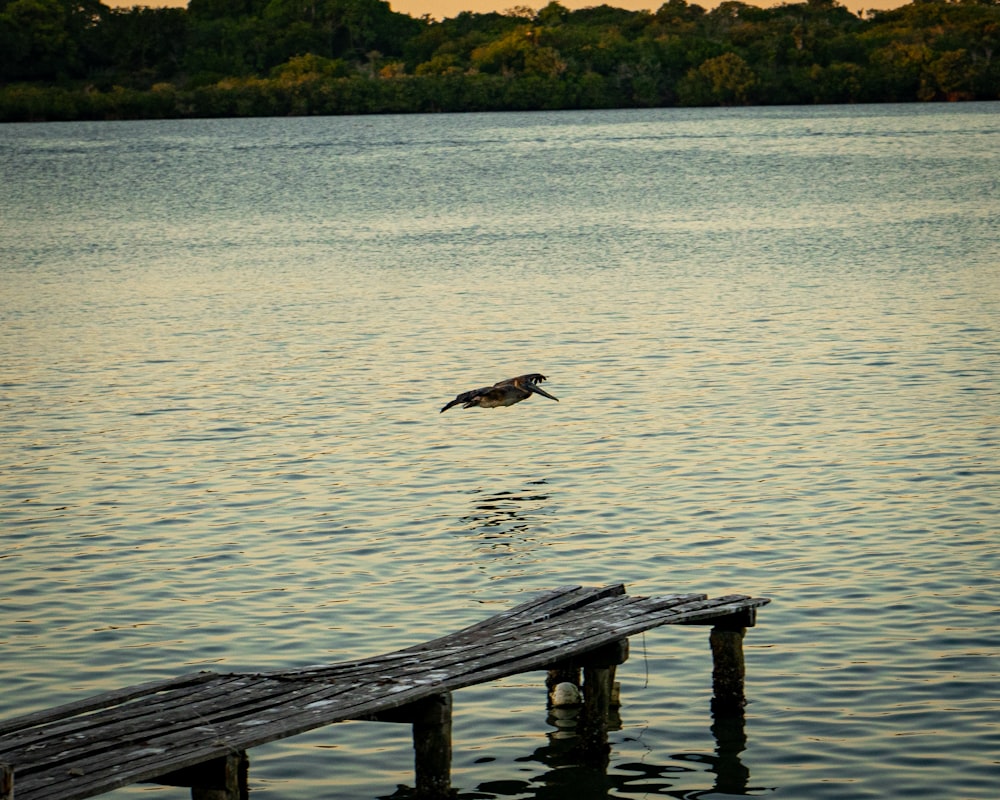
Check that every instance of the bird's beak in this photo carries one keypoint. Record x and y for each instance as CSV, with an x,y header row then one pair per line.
x,y
542,392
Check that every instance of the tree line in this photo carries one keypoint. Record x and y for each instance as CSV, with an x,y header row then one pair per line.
x,y
81,59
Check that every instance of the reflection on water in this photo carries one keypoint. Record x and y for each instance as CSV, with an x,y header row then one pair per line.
x,y
569,775
505,522
732,776
569,772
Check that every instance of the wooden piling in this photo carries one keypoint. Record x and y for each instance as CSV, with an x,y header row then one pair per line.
x,y
432,746
598,687
229,781
222,778
6,782
728,667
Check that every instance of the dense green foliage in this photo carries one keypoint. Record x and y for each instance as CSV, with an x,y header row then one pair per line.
x,y
72,59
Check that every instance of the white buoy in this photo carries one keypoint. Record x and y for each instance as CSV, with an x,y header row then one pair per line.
x,y
566,694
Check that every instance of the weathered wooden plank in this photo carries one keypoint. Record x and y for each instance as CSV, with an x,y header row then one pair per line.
x,y
533,612
108,733
542,606
458,645
170,750
134,767
199,739
101,729
742,618
100,701
134,708
558,601
146,760
106,730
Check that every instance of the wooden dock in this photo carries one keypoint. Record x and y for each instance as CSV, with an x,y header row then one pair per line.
x,y
194,731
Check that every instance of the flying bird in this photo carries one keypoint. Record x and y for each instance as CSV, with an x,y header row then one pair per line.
x,y
504,393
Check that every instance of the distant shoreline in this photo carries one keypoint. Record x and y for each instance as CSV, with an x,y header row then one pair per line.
x,y
55,104
209,61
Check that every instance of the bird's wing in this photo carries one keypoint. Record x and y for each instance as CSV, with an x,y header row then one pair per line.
x,y
532,377
465,397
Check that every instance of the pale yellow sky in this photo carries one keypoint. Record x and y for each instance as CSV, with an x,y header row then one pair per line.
x,y
440,9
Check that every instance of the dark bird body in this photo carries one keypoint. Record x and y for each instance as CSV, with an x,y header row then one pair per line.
x,y
504,393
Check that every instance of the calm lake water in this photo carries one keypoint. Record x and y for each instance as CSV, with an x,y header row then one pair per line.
x,y
775,339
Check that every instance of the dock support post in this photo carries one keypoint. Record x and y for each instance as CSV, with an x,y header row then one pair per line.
x,y
231,773
599,667
222,778
6,782
728,667
432,746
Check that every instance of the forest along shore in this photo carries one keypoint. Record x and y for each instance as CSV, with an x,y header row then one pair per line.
x,y
67,59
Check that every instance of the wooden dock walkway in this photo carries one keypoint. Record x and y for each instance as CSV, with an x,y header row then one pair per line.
x,y
194,731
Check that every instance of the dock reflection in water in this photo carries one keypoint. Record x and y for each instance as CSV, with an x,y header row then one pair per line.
x,y
572,775
568,772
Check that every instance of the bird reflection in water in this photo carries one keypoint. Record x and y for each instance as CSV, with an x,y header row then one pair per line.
x,y
505,519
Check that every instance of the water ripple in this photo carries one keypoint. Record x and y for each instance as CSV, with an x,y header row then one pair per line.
x,y
777,374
